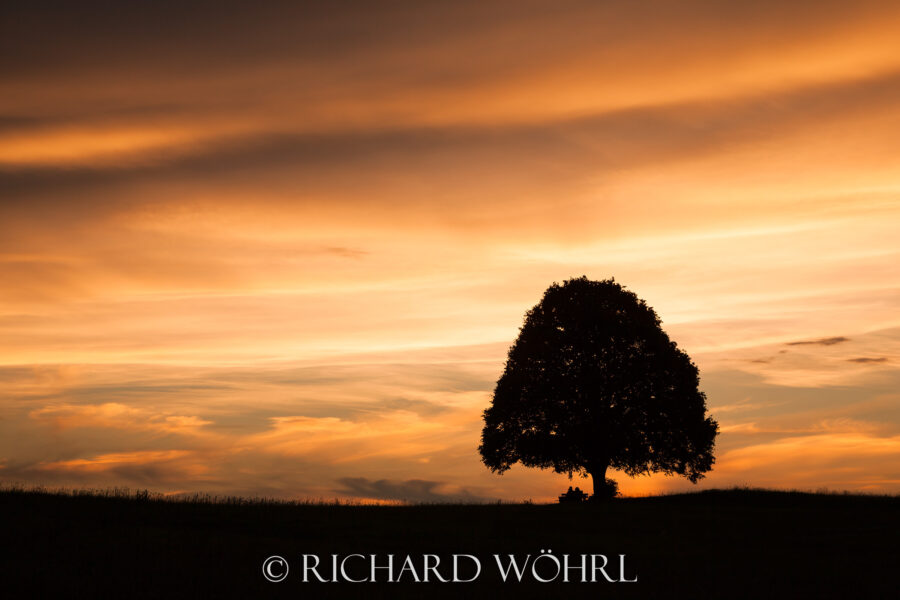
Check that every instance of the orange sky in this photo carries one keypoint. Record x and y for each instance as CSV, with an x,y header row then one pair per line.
x,y
283,251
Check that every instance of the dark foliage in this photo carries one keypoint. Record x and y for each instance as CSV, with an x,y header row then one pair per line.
x,y
607,491
594,382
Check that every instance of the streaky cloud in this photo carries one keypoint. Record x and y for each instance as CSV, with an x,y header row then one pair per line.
x,y
829,341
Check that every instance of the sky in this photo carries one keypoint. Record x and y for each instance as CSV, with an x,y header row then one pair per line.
x,y
283,250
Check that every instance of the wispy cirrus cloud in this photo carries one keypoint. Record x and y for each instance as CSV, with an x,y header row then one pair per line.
x,y
117,416
829,341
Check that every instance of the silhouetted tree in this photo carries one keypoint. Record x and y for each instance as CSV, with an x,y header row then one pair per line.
x,y
594,382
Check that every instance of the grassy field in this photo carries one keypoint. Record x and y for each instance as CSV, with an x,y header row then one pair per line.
x,y
715,544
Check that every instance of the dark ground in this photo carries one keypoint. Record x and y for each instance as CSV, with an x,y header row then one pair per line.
x,y
717,544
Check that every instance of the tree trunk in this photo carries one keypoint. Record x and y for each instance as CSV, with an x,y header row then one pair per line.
x,y
598,472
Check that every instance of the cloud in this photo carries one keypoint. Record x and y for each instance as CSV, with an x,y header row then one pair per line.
x,y
114,460
119,416
430,63
151,468
330,440
742,406
868,360
345,252
848,460
739,427
830,341
412,490
403,159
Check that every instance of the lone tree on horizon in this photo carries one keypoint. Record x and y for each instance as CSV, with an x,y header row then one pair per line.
x,y
593,382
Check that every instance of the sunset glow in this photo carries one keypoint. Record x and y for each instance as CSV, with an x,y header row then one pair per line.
x,y
284,252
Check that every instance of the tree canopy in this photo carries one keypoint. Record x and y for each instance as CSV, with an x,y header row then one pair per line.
x,y
594,382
